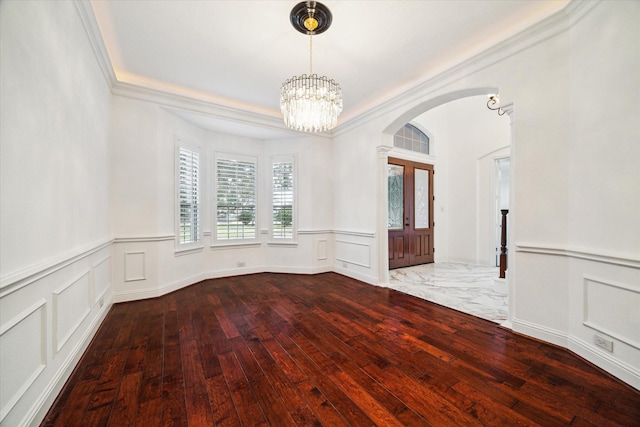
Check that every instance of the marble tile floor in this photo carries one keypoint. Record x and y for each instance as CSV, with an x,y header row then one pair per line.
x,y
463,287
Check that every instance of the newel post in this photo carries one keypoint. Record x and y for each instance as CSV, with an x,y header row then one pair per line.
x,y
503,243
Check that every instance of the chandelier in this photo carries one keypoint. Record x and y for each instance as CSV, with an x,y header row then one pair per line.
x,y
310,103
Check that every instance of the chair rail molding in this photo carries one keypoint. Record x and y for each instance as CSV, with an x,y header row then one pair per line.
x,y
614,258
14,281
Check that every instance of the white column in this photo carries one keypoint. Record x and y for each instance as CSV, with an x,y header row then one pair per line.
x,y
382,223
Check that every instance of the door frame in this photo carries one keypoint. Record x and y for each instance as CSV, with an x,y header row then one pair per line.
x,y
410,245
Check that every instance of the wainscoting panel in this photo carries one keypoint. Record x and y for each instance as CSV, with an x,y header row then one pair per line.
x,y
71,305
620,320
322,249
354,253
101,279
594,296
23,354
47,318
134,266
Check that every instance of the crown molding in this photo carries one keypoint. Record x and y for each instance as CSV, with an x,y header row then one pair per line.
x,y
92,30
549,27
578,9
181,99
200,106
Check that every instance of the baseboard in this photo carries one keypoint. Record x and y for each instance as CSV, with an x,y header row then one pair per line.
x,y
615,367
42,405
540,332
606,362
300,270
356,275
139,294
507,324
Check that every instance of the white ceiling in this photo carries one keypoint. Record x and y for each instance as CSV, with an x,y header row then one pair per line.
x,y
237,53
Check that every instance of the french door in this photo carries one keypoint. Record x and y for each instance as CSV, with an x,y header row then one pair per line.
x,y
410,187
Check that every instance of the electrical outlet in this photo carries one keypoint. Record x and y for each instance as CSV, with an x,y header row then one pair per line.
x,y
602,342
241,264
345,265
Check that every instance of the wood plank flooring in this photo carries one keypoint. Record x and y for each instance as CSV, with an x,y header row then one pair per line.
x,y
287,350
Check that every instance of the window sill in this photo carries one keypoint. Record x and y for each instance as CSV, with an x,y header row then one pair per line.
x,y
188,251
235,245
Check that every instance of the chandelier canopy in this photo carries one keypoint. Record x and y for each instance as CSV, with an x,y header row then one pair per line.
x,y
311,103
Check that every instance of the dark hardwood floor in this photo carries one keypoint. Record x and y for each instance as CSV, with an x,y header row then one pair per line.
x,y
284,350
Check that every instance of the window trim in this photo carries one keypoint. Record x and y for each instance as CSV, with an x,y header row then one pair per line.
x,y
284,241
215,242
429,135
182,248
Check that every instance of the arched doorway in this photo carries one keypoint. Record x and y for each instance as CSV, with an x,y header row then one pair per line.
x,y
464,160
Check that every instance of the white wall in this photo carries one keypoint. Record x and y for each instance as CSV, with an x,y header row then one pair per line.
x,y
54,136
54,219
358,215
604,186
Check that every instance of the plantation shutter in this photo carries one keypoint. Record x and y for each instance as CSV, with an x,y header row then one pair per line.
x,y
189,195
282,200
236,199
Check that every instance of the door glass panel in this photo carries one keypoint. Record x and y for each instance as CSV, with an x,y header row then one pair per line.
x,y
396,196
421,198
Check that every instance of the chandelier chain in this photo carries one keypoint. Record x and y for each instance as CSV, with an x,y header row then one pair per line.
x,y
310,54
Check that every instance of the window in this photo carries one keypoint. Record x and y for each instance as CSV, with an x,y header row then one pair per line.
x,y
188,196
282,199
235,198
411,138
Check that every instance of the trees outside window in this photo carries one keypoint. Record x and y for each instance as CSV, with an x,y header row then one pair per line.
x,y
282,197
235,198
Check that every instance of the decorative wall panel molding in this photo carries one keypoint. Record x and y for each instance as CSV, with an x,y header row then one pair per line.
x,y
71,305
47,394
26,333
354,253
322,250
134,266
614,320
101,275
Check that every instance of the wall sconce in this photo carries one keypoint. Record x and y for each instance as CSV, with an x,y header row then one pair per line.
x,y
492,104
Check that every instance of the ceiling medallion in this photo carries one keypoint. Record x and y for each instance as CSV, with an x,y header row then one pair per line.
x,y
310,103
